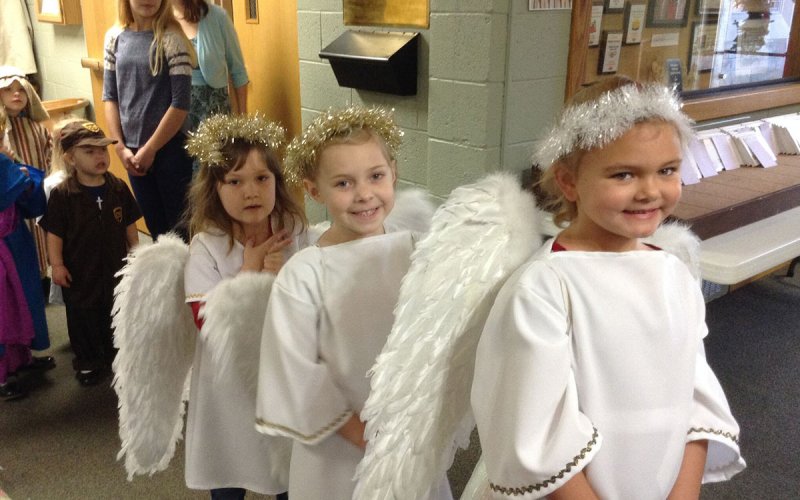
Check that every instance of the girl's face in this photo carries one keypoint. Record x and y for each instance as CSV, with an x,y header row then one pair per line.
x,y
625,190
248,194
90,163
14,98
145,9
355,182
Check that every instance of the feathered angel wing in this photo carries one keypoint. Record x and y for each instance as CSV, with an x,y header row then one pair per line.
x,y
418,410
679,240
412,211
233,319
155,335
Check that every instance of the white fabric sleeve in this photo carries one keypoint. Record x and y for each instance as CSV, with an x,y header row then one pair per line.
x,y
712,419
202,272
297,397
533,435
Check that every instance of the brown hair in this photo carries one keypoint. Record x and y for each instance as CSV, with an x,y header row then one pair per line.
x,y
204,208
194,10
549,195
164,20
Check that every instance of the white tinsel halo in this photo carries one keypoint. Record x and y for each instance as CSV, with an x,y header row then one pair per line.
x,y
301,154
597,123
216,131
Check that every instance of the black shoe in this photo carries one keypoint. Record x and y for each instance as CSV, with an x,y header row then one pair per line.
x,y
89,377
11,390
39,364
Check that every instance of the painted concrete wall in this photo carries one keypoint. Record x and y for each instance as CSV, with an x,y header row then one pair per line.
x,y
59,50
491,79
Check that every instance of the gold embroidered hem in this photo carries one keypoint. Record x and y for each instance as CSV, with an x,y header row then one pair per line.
x,y
305,438
703,430
522,490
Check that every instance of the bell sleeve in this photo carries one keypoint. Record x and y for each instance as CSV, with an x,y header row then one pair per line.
x,y
297,397
712,419
533,435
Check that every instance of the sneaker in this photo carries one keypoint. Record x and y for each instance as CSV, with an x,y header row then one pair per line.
x,y
12,390
89,377
39,364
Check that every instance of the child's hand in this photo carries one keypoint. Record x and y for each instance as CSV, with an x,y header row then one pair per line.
x,y
353,431
61,276
274,259
267,256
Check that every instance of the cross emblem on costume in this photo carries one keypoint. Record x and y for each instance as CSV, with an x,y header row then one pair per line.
x,y
99,201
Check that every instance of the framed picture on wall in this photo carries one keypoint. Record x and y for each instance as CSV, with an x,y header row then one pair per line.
x,y
614,6
610,49
595,25
707,7
667,13
701,47
634,22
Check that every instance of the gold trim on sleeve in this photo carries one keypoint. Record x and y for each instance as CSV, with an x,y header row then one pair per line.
x,y
305,437
704,430
522,490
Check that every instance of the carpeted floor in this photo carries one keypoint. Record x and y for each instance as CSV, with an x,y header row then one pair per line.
x,y
61,441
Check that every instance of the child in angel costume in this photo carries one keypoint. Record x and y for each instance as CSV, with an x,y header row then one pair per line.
x,y
245,224
331,306
590,378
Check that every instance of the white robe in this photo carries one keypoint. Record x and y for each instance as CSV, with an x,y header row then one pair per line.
x,y
223,449
329,314
594,361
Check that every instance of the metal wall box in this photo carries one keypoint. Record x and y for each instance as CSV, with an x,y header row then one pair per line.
x,y
378,61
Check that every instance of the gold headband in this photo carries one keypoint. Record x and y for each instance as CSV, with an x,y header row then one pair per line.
x,y
301,154
216,131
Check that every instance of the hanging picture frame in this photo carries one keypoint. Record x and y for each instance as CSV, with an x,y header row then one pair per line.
x,y
610,49
614,6
701,47
667,13
707,7
634,22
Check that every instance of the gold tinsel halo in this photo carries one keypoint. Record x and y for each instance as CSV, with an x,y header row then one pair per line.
x,y
216,131
301,154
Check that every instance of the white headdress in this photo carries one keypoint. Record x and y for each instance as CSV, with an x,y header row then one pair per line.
x,y
596,123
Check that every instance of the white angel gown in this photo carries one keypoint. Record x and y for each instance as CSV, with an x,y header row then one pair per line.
x,y
223,449
594,361
329,314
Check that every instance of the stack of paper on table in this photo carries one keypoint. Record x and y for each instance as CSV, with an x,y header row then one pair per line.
x,y
786,133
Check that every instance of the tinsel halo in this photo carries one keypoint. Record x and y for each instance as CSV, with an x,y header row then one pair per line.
x,y
596,123
216,131
301,154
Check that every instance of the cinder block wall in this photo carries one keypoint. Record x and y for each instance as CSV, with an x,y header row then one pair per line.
x,y
491,79
60,68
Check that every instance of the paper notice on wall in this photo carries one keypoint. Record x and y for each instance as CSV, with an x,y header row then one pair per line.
x,y
51,7
665,39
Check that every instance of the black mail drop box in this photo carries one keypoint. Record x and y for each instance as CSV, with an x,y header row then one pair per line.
x,y
378,61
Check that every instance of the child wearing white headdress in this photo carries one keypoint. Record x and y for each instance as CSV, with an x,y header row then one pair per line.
x,y
591,379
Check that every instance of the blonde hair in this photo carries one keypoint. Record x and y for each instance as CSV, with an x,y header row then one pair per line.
x,y
163,21
549,194
204,208
352,137
58,164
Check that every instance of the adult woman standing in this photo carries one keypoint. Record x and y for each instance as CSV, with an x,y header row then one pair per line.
x,y
146,89
219,58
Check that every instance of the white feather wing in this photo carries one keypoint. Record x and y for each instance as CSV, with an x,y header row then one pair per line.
x,y
233,319
155,335
418,410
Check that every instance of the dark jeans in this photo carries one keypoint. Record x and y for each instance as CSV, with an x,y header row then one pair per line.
x,y
238,494
89,331
161,193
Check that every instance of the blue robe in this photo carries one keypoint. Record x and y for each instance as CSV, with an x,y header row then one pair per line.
x,y
28,194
